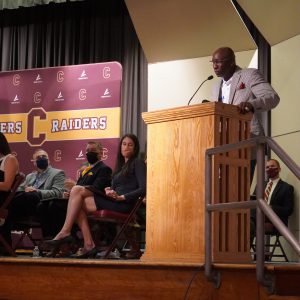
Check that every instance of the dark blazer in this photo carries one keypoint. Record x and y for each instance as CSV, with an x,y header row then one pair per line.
x,y
132,186
99,177
282,201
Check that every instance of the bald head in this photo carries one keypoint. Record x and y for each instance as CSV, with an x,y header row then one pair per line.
x,y
223,60
225,52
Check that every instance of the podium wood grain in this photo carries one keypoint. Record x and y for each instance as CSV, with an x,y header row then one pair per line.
x,y
176,144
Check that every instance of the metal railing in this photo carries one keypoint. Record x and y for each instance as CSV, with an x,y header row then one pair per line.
x,y
261,206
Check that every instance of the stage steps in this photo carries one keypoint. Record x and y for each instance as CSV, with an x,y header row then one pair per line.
x,y
25,278
276,297
287,280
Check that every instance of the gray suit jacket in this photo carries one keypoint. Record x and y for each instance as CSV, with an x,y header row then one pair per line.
x,y
249,85
51,183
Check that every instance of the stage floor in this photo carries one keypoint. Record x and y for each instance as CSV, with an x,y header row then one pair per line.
x,y
25,277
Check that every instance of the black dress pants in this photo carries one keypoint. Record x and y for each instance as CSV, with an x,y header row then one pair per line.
x,y
51,214
24,204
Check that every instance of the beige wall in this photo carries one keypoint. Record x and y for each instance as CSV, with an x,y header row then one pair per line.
x,y
285,118
172,84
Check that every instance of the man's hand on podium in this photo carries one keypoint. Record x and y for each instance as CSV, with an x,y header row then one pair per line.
x,y
245,107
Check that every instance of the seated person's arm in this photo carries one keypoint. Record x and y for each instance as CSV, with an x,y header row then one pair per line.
x,y
287,206
140,172
11,168
140,191
68,185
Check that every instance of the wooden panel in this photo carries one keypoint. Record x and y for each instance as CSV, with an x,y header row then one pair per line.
x,y
42,278
287,283
234,285
175,193
177,141
232,183
74,279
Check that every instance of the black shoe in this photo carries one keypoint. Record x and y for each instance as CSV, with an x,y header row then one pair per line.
x,y
88,254
56,243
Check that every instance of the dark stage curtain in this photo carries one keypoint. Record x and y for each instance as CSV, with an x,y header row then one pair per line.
x,y
264,58
12,4
74,33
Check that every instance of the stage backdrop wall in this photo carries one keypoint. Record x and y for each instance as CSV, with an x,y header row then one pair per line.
x,y
59,110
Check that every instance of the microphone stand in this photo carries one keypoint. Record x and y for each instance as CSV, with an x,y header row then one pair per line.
x,y
208,78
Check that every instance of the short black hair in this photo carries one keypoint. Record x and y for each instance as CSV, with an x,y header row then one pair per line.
x,y
4,146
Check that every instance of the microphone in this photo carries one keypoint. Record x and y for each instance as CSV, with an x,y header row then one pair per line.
x,y
208,78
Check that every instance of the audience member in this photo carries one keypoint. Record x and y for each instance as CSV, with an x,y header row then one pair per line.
x,y
278,194
41,185
9,168
128,184
95,174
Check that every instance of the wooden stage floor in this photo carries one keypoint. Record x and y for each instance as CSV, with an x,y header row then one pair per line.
x,y
49,278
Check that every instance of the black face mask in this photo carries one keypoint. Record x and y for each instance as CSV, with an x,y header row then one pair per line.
x,y
42,163
92,157
272,172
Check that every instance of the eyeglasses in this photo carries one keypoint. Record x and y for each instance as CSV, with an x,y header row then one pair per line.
x,y
41,156
218,61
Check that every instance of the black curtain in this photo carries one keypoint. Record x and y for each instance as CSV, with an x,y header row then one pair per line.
x,y
11,4
264,58
74,33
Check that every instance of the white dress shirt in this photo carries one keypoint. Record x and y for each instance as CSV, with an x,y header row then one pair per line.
x,y
226,90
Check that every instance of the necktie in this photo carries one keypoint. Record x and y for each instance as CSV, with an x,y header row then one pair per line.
x,y
86,170
37,180
268,190
220,99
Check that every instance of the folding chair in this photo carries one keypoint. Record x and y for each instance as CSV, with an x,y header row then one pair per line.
x,y
4,211
273,248
125,220
26,227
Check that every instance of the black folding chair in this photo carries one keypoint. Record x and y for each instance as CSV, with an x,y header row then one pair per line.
x,y
125,220
4,211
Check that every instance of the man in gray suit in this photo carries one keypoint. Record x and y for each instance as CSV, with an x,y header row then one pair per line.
x,y
245,88
43,184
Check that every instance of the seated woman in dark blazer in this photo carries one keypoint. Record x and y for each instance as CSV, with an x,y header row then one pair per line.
x,y
128,184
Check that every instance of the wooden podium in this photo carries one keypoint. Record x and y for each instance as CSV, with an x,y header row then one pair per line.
x,y
176,144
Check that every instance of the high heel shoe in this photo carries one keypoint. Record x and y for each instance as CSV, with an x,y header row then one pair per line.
x,y
57,243
133,254
88,254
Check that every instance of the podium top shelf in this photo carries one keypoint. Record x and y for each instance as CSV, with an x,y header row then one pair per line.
x,y
197,110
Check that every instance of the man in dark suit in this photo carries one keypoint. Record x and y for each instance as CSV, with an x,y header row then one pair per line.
x,y
278,194
281,195
95,174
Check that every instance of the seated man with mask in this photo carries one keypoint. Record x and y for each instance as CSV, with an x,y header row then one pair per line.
x,y
278,194
95,174
44,183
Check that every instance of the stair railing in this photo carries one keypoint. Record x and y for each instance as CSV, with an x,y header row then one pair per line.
x,y
261,207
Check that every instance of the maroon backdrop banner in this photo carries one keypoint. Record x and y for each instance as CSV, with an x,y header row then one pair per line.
x,y
59,110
